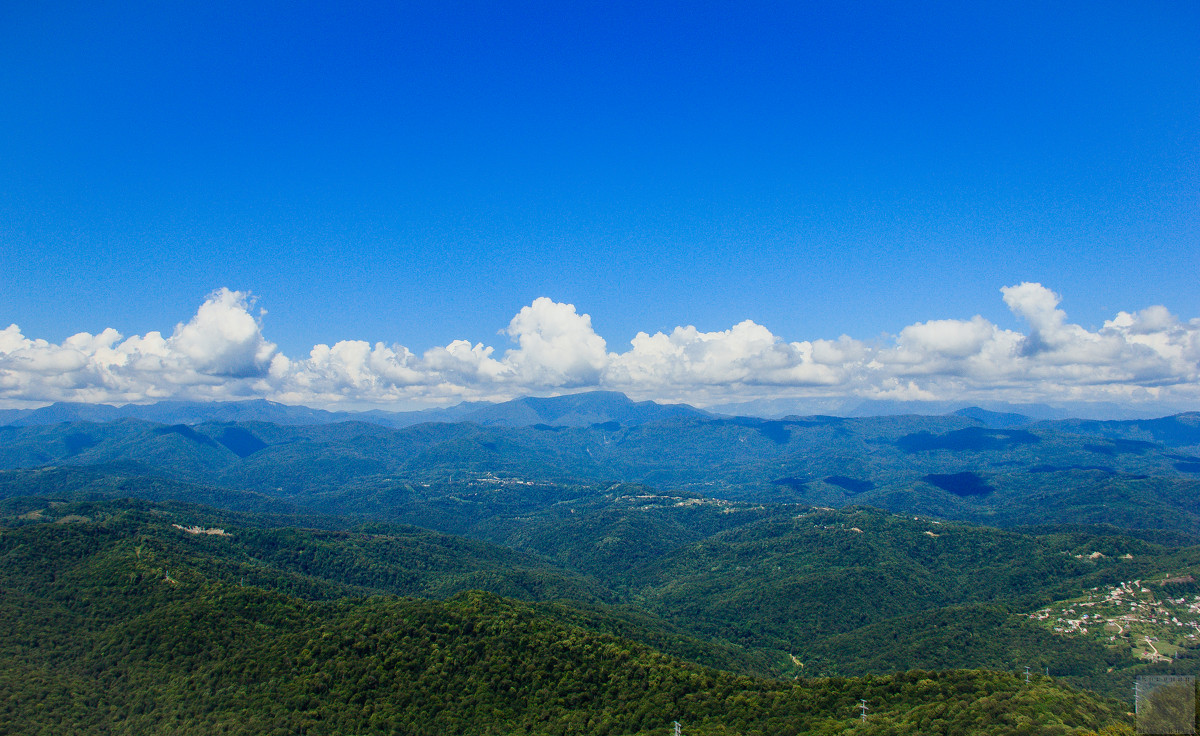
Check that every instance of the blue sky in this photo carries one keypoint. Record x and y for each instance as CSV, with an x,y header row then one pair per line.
x,y
418,173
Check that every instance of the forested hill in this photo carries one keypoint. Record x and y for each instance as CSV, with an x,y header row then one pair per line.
x,y
824,591
762,591
105,629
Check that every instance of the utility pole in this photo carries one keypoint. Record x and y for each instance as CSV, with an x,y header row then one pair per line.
x,y
863,705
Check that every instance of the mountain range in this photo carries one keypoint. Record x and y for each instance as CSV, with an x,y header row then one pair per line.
x,y
570,410
975,466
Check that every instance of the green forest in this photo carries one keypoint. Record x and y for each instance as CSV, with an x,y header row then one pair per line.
x,y
119,621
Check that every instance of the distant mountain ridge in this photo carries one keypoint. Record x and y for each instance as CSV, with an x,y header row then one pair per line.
x,y
578,410
571,410
994,419
1134,474
853,407
588,409
173,412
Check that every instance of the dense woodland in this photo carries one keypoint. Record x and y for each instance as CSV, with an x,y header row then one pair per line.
x,y
611,573
116,620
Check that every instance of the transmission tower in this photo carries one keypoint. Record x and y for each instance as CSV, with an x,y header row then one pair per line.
x,y
678,731
863,705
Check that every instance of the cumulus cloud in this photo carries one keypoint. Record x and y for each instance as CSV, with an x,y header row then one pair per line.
x,y
948,338
557,346
221,353
223,338
745,354
211,356
1051,338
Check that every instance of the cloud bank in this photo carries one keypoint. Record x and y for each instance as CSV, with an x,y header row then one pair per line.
x,y
221,353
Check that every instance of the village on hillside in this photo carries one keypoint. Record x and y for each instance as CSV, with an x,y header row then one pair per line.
x,y
1138,614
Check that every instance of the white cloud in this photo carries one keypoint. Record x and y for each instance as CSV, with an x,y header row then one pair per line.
x,y
745,354
221,353
1051,338
223,338
210,357
948,338
462,363
557,346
